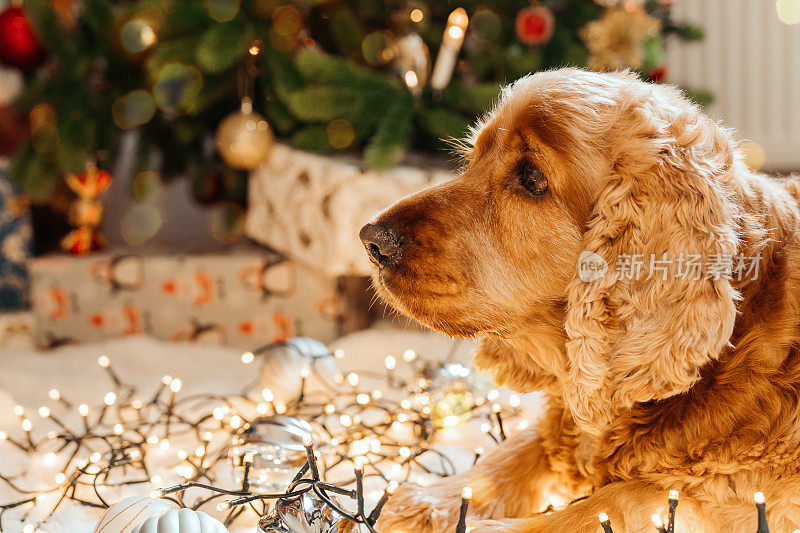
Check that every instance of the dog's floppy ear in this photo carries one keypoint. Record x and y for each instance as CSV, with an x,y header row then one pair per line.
x,y
669,199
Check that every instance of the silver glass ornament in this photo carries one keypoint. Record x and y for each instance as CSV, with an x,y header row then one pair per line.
x,y
273,447
305,514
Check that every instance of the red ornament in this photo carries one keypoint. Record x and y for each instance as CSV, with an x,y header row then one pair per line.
x,y
658,74
19,45
535,25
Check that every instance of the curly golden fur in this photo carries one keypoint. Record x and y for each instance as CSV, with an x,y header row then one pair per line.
x,y
654,382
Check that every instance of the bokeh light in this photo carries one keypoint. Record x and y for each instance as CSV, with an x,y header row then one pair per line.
x,y
147,186
340,133
416,15
177,87
377,47
43,122
486,25
226,221
140,224
137,35
133,109
788,11
222,10
286,25
753,155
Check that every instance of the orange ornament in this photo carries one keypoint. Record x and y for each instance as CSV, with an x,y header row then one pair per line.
x,y
86,212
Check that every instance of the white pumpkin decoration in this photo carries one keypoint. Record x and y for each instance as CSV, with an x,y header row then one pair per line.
x,y
181,521
282,367
126,515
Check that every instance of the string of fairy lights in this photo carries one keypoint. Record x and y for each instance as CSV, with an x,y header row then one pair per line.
x,y
117,443
114,445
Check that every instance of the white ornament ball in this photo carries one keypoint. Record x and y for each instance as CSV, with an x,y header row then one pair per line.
x,y
181,521
125,516
282,367
244,138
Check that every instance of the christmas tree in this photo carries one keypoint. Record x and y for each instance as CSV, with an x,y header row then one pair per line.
x,y
373,76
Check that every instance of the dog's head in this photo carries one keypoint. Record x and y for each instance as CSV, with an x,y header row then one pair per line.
x,y
573,175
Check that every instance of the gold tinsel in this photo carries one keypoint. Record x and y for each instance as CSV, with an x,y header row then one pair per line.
x,y
615,39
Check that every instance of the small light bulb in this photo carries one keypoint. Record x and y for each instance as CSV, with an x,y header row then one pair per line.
x,y
673,495
304,372
603,517
44,411
758,497
109,399
390,362
405,452
19,410
223,506
330,409
392,486
352,379
409,355
54,394
362,398
118,429
60,478
95,457
236,421
267,395
218,413
307,440
467,493
3,435
338,353
104,361
248,357
657,522
166,380
136,404
514,400
27,425
175,385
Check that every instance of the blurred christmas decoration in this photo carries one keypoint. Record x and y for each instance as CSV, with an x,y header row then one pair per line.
x,y
535,25
287,366
615,40
15,247
86,211
19,45
244,138
14,130
413,62
269,451
788,11
324,77
452,40
308,513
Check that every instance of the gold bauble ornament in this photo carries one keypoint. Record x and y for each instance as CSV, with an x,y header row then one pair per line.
x,y
244,138
615,40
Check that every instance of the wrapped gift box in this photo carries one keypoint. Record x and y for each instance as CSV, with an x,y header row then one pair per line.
x,y
15,247
242,298
310,206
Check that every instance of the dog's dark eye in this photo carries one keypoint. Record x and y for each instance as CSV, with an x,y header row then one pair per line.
x,y
532,178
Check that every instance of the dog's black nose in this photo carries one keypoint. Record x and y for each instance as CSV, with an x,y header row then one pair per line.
x,y
383,245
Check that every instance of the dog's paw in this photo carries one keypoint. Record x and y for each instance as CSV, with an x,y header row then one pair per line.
x,y
421,510
499,526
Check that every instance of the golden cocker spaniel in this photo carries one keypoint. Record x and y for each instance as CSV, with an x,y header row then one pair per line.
x,y
605,244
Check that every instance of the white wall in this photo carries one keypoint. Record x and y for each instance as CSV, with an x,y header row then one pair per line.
x,y
751,62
